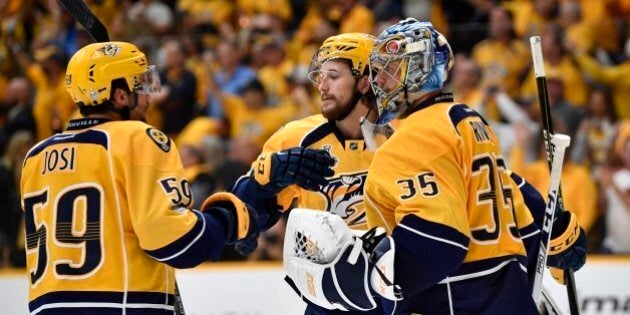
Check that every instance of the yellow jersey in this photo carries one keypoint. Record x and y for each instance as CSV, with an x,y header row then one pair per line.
x,y
343,195
441,188
106,219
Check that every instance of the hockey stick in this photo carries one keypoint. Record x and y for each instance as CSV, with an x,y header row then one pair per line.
x,y
545,111
559,144
82,13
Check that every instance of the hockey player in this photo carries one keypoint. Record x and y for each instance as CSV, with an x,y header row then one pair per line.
x,y
340,72
443,194
106,203
341,75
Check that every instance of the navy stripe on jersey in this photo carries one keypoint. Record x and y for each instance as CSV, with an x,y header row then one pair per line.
x,y
503,291
426,252
203,242
89,136
62,300
460,112
323,131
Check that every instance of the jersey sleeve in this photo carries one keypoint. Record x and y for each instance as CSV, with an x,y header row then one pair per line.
x,y
267,202
529,208
159,197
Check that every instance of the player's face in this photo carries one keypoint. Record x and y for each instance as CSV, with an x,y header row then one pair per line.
x,y
388,76
139,112
336,84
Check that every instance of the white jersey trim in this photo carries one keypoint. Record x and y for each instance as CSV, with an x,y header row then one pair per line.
x,y
102,305
530,234
482,273
434,237
203,228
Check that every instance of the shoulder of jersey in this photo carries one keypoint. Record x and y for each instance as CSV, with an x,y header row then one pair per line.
x,y
302,126
140,131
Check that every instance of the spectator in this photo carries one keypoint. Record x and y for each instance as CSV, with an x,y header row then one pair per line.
x,y
560,63
52,106
502,57
229,74
20,107
177,100
615,184
578,186
11,231
594,137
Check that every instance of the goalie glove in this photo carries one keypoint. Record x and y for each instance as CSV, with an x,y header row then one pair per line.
x,y
240,221
306,167
328,265
567,248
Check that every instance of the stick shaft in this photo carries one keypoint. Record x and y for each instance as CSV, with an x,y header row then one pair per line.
x,y
559,143
541,82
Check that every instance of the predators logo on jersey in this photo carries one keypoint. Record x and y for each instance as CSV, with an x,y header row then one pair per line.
x,y
344,193
344,197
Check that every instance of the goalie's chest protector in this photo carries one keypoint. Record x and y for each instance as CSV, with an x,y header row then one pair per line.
x,y
343,195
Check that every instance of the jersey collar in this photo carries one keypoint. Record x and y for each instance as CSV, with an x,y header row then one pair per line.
x,y
83,123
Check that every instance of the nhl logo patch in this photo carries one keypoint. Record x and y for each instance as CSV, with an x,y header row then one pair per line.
x,y
161,139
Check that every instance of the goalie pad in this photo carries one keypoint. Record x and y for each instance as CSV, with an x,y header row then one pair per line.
x,y
328,264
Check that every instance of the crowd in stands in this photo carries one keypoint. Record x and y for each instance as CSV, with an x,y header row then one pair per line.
x,y
233,72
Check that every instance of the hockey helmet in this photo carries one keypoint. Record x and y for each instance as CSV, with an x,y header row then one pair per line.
x,y
92,69
355,47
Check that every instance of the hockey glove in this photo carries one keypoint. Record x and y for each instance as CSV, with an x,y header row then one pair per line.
x,y
567,248
306,167
328,265
240,221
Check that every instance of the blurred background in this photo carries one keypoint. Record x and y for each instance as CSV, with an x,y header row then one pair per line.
x,y
235,71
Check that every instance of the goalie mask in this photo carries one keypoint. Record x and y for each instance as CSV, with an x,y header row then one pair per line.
x,y
409,59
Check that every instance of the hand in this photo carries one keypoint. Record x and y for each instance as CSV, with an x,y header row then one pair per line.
x,y
242,226
567,248
306,167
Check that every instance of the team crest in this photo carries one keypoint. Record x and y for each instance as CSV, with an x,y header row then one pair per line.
x,y
161,139
110,50
344,197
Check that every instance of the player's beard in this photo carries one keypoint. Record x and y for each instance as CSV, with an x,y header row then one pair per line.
x,y
338,111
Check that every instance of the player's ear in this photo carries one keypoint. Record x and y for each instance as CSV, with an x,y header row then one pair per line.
x,y
120,96
364,84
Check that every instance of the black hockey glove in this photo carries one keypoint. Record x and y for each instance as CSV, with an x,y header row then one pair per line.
x,y
306,167
241,221
567,248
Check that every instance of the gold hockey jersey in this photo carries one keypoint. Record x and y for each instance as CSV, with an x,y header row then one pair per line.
x,y
105,211
443,165
441,188
344,193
